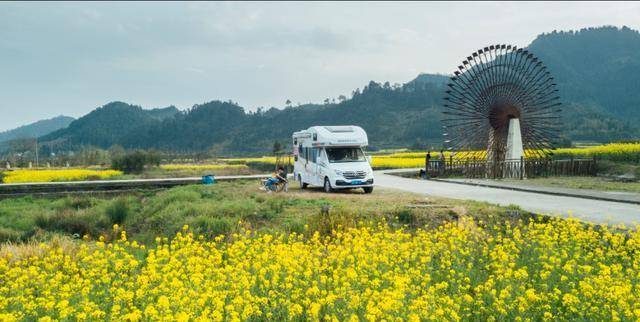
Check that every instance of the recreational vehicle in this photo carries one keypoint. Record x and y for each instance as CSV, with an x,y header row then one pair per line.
x,y
332,157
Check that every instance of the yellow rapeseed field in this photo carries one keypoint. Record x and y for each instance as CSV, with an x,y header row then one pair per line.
x,y
264,159
389,162
541,271
625,152
37,175
202,166
613,151
383,161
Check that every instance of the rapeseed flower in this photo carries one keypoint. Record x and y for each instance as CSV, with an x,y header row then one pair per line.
x,y
555,270
37,175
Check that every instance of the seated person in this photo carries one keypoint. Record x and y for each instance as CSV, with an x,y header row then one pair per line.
x,y
279,176
282,174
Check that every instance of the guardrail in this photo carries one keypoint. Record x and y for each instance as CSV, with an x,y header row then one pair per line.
x,y
519,169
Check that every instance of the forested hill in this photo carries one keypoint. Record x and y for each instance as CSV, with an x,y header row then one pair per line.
x,y
596,69
392,115
598,75
108,125
36,129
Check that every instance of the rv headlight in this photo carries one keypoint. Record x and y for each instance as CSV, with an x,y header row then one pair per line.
x,y
338,172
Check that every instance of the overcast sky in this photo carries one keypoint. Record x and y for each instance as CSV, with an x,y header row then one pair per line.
x,y
69,58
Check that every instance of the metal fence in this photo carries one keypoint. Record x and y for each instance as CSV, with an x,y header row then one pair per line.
x,y
517,169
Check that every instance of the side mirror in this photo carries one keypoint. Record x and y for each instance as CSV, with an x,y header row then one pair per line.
x,y
369,159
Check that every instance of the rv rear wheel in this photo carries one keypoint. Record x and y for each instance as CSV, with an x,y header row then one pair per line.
x,y
367,189
327,186
302,184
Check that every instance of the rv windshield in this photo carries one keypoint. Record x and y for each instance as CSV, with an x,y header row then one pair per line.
x,y
337,155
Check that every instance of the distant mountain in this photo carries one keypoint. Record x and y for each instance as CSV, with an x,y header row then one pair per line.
x,y
597,71
36,129
598,74
379,108
436,79
109,124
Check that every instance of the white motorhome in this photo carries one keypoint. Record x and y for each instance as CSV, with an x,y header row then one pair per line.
x,y
332,157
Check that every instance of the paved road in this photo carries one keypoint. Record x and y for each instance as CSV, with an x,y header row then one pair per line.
x,y
522,185
595,211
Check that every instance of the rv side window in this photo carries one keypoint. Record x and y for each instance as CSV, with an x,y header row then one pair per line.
x,y
314,155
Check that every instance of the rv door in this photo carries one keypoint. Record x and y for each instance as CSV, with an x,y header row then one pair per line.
x,y
309,166
323,167
314,167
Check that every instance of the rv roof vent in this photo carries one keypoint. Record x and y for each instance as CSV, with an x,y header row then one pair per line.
x,y
339,129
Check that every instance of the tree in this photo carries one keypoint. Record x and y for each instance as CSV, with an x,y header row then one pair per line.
x,y
326,101
342,98
277,147
136,161
288,103
116,151
215,150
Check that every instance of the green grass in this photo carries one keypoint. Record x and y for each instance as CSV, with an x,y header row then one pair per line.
x,y
226,208
612,169
591,183
157,172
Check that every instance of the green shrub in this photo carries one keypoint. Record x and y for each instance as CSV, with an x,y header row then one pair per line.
x,y
136,161
118,210
295,226
212,226
208,194
406,216
328,220
277,205
9,235
79,202
69,222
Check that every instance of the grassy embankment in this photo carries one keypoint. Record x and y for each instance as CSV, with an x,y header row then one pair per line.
x,y
589,183
612,176
223,209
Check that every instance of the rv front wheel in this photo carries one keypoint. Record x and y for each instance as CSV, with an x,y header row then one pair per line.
x,y
367,189
302,184
327,186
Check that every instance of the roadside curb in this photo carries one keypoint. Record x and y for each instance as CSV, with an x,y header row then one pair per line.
x,y
555,193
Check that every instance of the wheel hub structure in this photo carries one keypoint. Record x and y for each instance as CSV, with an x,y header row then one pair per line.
x,y
494,89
